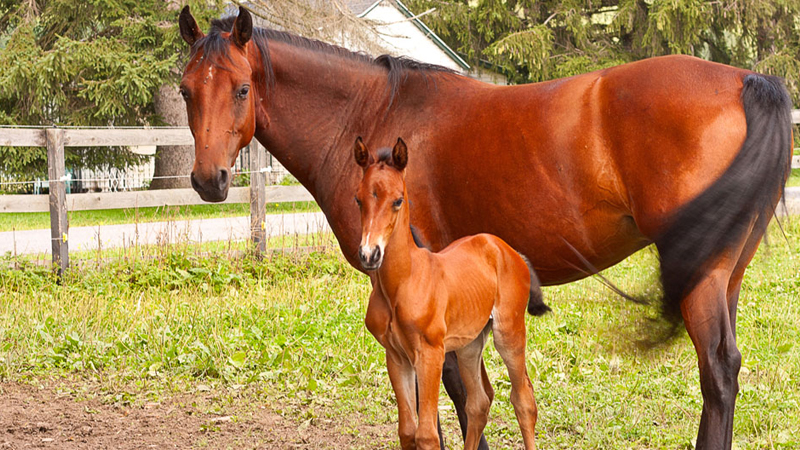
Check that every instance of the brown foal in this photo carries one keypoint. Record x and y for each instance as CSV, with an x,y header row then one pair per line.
x,y
424,304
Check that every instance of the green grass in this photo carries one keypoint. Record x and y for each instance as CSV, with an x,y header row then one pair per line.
x,y
293,326
32,221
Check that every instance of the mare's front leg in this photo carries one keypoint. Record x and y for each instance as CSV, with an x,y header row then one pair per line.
x,y
454,386
428,365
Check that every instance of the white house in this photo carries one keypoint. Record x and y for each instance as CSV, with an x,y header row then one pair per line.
x,y
406,34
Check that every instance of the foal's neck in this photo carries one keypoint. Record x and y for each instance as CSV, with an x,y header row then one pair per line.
x,y
397,260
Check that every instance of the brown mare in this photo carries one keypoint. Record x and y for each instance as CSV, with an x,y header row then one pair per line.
x,y
441,302
676,151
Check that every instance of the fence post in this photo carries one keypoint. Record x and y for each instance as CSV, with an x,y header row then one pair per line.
x,y
258,198
59,225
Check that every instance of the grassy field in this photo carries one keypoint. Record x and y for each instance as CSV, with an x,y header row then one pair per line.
x,y
32,221
290,328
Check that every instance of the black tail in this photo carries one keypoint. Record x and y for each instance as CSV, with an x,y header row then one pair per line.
x,y
536,306
720,217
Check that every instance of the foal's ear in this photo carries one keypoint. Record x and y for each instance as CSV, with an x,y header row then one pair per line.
x,y
400,155
190,32
360,152
243,28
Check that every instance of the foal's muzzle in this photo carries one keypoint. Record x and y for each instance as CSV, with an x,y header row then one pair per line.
x,y
371,258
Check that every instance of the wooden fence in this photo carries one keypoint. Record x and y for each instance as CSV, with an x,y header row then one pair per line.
x,y
58,202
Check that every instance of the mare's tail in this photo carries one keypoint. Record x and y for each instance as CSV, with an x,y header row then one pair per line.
x,y
536,306
720,217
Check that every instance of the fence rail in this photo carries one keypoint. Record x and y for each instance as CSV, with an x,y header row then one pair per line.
x,y
25,203
59,203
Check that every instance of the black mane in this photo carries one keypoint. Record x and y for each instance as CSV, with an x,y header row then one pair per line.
x,y
215,47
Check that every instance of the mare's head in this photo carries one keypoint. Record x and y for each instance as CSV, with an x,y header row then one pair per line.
x,y
380,197
218,88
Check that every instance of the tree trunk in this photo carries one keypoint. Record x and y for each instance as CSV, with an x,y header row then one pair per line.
x,y
172,160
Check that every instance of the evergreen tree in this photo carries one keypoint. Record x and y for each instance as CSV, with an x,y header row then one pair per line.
x,y
85,62
540,40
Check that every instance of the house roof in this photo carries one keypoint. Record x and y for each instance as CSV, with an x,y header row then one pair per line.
x,y
363,7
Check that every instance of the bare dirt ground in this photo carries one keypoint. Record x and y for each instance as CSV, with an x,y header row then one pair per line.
x,y
34,416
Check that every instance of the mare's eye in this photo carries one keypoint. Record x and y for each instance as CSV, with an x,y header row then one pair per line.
x,y
358,202
242,94
184,94
397,203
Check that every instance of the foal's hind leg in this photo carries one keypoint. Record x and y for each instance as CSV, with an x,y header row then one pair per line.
x,y
478,401
451,378
509,339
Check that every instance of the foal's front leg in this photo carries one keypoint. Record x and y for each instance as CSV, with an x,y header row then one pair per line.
x,y
428,365
401,375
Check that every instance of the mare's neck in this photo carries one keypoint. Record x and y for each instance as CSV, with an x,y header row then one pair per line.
x,y
397,258
316,108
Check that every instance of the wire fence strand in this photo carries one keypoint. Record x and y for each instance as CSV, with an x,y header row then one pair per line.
x,y
68,178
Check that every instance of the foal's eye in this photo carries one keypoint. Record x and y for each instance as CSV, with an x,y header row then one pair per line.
x,y
184,94
358,202
242,94
397,203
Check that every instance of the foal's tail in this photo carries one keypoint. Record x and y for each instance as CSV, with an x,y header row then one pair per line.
x,y
720,217
536,306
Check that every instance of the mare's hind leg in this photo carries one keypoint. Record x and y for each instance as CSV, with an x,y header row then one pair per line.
x,y
478,401
451,378
709,317
735,283
509,339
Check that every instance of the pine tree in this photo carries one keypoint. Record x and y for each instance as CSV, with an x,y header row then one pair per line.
x,y
540,40
85,62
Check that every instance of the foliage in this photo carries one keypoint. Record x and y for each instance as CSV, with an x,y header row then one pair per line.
x,y
539,40
77,62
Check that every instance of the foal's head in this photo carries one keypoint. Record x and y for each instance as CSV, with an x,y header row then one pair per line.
x,y
218,88
380,198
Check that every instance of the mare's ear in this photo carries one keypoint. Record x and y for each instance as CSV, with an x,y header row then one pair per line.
x,y
400,155
190,32
242,28
360,153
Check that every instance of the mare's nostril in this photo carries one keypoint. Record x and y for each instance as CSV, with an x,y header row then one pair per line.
x,y
195,184
224,178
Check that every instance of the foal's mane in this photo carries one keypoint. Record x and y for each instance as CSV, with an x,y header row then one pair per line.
x,y
214,47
